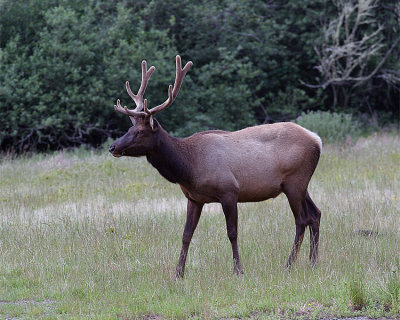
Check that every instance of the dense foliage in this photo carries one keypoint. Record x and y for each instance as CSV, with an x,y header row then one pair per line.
x,y
331,127
64,63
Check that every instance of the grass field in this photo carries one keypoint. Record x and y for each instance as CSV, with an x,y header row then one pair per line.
x,y
85,235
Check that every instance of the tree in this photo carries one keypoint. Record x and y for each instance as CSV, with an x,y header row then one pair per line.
x,y
64,63
353,50
58,91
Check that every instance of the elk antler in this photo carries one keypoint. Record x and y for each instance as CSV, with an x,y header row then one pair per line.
x,y
140,104
138,98
173,93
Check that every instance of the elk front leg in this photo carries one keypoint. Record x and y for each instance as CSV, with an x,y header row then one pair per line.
x,y
229,207
192,218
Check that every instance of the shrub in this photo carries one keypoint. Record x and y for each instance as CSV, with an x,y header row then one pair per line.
x,y
357,293
331,127
393,292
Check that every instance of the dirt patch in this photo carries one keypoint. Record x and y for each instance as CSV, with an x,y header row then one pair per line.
x,y
28,301
47,306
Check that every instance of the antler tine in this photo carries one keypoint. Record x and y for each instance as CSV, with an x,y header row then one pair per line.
x,y
180,74
173,93
138,98
119,108
146,74
124,110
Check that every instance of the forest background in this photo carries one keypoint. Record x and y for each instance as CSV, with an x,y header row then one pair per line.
x,y
64,63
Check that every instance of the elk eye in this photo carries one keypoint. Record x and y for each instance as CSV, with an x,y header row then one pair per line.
x,y
140,132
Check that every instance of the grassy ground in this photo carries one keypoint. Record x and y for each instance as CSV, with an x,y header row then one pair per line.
x,y
85,235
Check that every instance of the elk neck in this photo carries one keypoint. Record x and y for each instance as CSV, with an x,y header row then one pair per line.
x,y
170,158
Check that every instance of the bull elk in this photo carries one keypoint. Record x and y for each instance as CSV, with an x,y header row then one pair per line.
x,y
252,164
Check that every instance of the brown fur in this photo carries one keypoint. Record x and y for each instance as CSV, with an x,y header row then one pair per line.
x,y
253,164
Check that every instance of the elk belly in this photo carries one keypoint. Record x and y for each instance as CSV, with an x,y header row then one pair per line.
x,y
259,189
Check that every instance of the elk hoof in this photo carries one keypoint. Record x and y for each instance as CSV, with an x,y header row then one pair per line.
x,y
179,274
314,263
237,272
288,265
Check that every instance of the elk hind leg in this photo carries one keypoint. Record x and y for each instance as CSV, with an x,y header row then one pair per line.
x,y
229,206
296,200
314,217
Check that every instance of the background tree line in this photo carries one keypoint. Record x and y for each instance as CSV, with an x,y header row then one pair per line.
x,y
63,63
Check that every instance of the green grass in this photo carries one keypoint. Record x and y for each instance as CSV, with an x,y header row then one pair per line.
x,y
85,235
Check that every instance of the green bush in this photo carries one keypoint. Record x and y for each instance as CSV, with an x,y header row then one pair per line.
x,y
63,64
58,91
330,126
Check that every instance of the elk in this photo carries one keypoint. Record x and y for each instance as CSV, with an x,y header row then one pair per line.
x,y
252,164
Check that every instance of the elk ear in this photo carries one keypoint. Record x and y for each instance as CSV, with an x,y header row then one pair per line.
x,y
153,124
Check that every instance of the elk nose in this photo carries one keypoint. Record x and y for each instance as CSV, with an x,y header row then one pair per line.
x,y
112,148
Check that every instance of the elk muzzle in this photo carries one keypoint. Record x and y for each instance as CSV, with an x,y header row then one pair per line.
x,y
113,152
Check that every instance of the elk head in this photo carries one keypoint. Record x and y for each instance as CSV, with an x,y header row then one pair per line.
x,y
141,138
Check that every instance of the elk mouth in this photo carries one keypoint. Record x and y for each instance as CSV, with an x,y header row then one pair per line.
x,y
117,154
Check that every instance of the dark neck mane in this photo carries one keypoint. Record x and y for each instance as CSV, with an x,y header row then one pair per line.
x,y
169,158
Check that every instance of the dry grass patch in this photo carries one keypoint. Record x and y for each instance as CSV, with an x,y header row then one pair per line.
x,y
101,236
